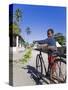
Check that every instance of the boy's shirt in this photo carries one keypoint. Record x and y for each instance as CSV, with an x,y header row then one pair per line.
x,y
50,41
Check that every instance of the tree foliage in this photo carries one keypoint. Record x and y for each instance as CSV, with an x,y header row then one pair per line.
x,y
60,38
28,31
18,15
14,26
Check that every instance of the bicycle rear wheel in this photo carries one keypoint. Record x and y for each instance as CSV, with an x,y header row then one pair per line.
x,y
60,70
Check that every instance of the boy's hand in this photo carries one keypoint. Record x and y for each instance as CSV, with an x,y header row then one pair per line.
x,y
42,46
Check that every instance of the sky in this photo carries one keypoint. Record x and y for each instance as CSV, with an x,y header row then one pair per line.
x,y
39,19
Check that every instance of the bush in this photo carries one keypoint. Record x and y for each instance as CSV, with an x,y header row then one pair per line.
x,y
26,56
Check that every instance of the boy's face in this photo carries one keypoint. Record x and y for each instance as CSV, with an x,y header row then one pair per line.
x,y
49,34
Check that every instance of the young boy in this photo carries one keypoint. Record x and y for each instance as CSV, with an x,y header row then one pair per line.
x,y
50,43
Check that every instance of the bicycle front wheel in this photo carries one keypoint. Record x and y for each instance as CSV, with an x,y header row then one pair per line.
x,y
39,64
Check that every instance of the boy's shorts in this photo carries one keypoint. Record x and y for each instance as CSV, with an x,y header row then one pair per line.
x,y
51,59
51,56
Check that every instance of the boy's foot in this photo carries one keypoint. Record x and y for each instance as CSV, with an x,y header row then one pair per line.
x,y
61,79
54,76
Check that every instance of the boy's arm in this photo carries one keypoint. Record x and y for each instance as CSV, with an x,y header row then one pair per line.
x,y
43,46
47,47
52,47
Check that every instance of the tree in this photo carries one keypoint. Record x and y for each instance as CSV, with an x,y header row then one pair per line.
x,y
28,31
60,38
14,28
18,15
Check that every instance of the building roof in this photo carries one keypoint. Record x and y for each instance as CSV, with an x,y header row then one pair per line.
x,y
17,35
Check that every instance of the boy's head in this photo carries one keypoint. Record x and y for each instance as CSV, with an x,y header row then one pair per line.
x,y
50,32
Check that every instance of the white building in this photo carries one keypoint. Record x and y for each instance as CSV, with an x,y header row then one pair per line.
x,y
16,43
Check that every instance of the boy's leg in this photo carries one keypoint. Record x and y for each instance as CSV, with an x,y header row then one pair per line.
x,y
53,68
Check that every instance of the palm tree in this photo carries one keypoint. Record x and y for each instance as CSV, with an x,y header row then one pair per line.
x,y
28,31
14,26
18,15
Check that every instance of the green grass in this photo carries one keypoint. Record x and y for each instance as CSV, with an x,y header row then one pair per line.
x,y
27,55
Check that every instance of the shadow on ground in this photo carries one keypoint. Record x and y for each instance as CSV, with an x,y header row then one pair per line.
x,y
35,75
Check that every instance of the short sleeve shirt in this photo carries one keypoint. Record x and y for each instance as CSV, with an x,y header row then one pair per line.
x,y
50,41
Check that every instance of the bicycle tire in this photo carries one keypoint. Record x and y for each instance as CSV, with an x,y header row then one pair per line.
x,y
44,67
38,61
60,61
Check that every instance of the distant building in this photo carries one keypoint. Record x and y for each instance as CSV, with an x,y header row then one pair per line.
x,y
16,42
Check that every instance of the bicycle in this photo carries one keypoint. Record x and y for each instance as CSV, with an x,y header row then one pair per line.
x,y
40,65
